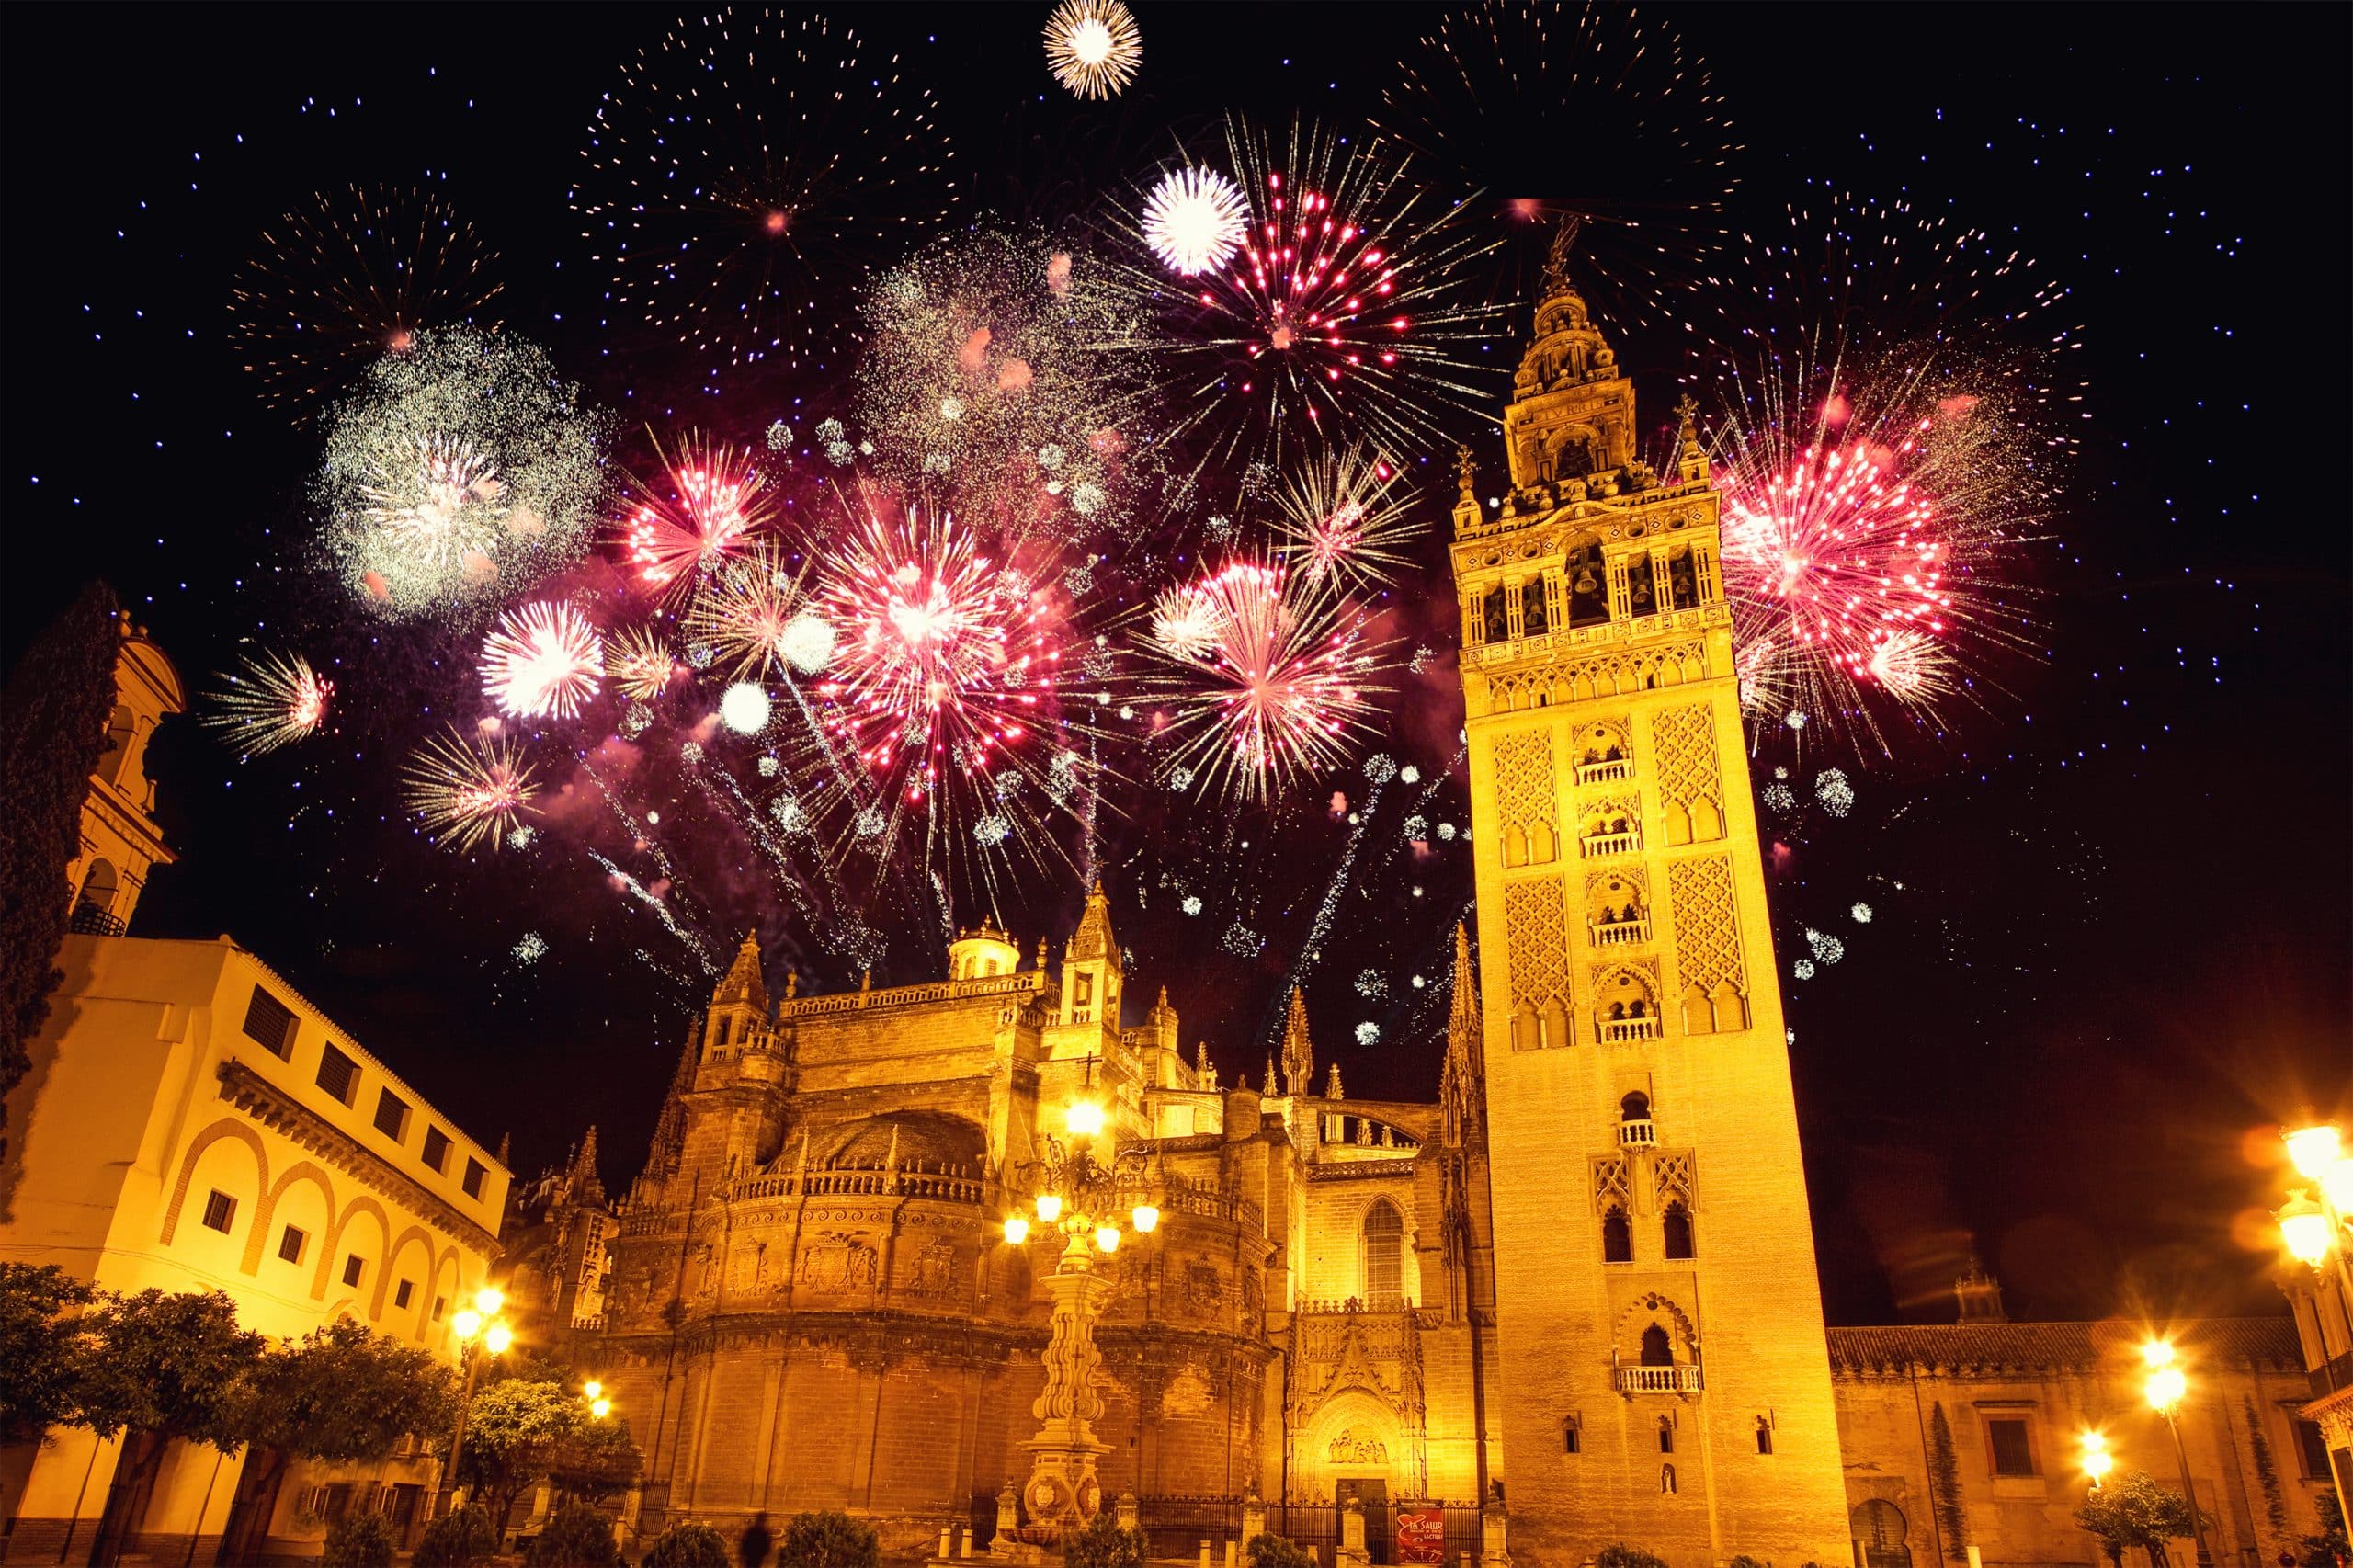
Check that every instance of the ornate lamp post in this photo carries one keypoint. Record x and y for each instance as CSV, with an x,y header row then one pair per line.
x,y
482,1335
1076,1197
2166,1388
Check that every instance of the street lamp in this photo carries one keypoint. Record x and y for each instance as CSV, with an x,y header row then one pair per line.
x,y
479,1324
593,1392
1083,1208
2166,1387
2097,1460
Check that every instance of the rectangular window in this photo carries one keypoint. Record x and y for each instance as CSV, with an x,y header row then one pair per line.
x,y
290,1245
1764,1439
338,1074
474,1173
437,1150
1665,1437
1084,992
440,1305
392,1114
353,1266
403,1291
2012,1454
1571,1440
2313,1448
220,1211
271,1022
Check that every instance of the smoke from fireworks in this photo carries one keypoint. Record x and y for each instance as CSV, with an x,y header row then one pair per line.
x,y
461,472
1269,683
270,701
468,790
748,166
542,661
1093,46
348,277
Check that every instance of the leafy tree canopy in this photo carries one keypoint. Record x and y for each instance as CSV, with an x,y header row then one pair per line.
x,y
175,1364
40,1345
827,1541
347,1394
2132,1510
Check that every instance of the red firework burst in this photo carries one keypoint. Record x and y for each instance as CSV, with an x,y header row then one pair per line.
x,y
707,503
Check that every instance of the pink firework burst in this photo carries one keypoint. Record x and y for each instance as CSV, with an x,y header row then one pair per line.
x,y
542,661
467,790
707,502
1271,684
946,658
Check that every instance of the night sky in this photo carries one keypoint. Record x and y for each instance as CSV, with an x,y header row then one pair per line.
x,y
2109,937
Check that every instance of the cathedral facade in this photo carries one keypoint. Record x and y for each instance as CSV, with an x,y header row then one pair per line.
x,y
1577,1288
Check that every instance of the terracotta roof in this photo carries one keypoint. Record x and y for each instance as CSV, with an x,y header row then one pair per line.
x,y
2237,1341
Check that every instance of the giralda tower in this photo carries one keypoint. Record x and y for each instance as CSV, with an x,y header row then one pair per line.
x,y
1664,1379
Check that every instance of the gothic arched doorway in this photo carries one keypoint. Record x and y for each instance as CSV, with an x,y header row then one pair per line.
x,y
1880,1529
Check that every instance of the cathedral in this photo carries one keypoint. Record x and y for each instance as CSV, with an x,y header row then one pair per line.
x,y
1570,1301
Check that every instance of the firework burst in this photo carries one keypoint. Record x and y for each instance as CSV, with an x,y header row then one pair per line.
x,y
1344,516
270,700
1269,683
462,472
469,790
1093,46
1489,98
1194,220
749,611
1342,312
542,661
350,276
639,663
746,167
700,511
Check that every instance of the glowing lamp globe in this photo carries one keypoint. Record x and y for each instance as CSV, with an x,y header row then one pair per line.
x,y
744,707
488,1300
2313,1148
467,1324
1147,1219
2097,1460
498,1338
1050,1207
2158,1353
592,1389
2166,1387
2305,1228
2336,1184
600,1408
1016,1229
1106,1238
1086,1118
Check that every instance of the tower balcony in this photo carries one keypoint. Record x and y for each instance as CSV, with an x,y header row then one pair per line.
x,y
1608,772
1639,1134
1601,844
1625,1032
1619,933
1633,1381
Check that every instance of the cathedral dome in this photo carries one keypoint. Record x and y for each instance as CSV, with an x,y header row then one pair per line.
x,y
923,1141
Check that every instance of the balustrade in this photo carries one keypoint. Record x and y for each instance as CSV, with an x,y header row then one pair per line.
x,y
1620,1032
1607,772
1637,1134
1601,844
1658,1380
1620,933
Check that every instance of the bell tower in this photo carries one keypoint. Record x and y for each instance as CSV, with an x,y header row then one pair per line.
x,y
1665,1374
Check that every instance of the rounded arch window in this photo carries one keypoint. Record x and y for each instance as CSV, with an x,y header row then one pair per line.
x,y
1657,1350
1617,1237
1675,1226
1384,1252
1635,1107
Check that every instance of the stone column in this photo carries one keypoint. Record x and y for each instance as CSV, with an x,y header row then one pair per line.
x,y
1351,1552
1492,1553
1063,1492
1254,1516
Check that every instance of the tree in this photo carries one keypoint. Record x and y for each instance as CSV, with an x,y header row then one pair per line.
x,y
576,1537
2132,1510
358,1541
688,1546
1103,1544
345,1394
168,1365
827,1541
1274,1551
458,1539
2328,1549
1944,1486
40,1358
598,1459
514,1431
1620,1555
53,732
2275,1503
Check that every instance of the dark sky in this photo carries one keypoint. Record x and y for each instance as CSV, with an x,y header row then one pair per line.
x,y
2110,932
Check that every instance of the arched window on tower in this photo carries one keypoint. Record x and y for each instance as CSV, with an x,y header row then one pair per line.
x,y
1676,1227
1535,615
1665,1434
1497,618
1384,1254
1635,1107
1587,580
1683,583
118,732
1617,1236
1657,1350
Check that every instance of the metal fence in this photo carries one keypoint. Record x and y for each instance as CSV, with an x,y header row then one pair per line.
x,y
1177,1526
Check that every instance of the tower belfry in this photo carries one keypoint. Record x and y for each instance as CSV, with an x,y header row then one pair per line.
x,y
1665,1370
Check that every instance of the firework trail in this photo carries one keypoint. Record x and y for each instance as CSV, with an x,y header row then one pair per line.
x,y
350,276
1093,46
745,168
1490,98
469,790
270,701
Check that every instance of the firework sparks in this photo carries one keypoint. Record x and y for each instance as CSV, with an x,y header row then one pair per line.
x,y
1344,516
270,701
638,664
1285,680
353,276
1194,220
462,471
469,790
1093,46
746,612
542,661
708,501
744,167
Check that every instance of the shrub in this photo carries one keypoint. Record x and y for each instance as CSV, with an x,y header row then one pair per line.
x,y
1103,1544
1617,1554
1274,1551
358,1541
577,1537
457,1541
688,1546
1745,1561
827,1541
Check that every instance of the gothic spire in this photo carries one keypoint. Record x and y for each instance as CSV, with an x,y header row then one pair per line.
x,y
1299,1056
744,983
1461,1083
1093,938
1332,1090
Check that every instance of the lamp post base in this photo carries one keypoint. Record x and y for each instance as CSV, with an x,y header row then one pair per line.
x,y
1062,1494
